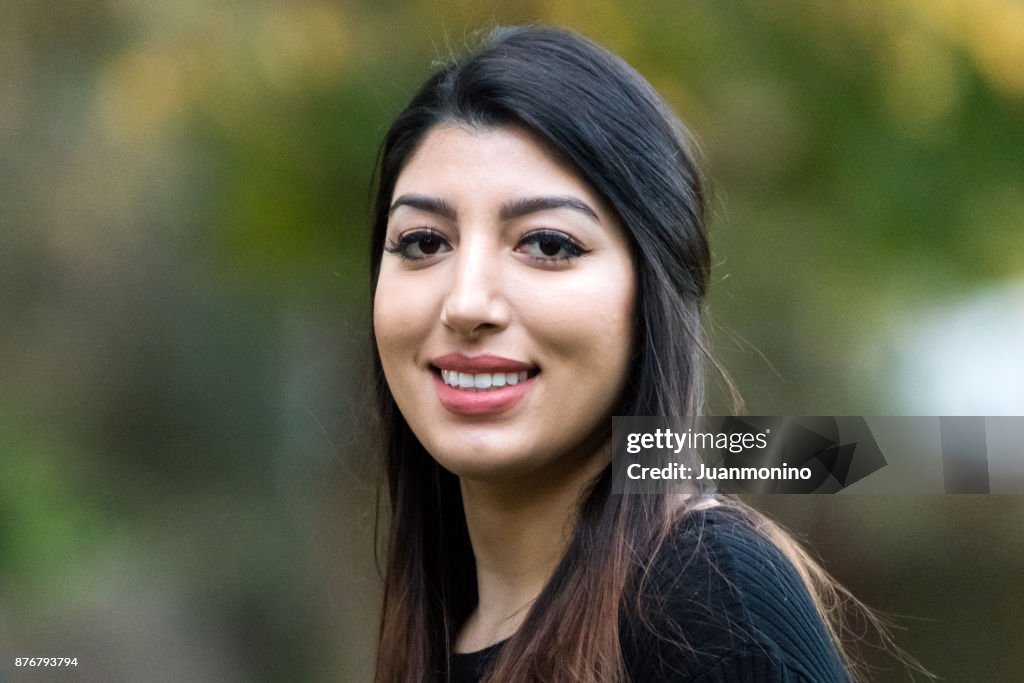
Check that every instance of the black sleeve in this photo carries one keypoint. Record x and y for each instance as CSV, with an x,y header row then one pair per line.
x,y
722,603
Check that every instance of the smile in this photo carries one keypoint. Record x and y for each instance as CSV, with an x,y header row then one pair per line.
x,y
481,385
482,381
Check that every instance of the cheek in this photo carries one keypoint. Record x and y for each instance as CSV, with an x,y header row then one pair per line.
x,y
401,315
587,324
609,325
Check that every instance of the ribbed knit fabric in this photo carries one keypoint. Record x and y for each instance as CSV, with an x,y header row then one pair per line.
x,y
725,605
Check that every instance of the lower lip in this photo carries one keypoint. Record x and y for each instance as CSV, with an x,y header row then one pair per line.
x,y
488,402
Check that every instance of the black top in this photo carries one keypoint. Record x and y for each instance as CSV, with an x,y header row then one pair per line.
x,y
734,600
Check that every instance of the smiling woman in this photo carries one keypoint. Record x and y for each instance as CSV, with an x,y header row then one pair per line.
x,y
539,265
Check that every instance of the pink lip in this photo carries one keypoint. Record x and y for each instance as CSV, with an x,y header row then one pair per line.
x,y
490,402
474,364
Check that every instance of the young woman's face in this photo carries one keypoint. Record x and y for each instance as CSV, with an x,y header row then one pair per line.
x,y
504,305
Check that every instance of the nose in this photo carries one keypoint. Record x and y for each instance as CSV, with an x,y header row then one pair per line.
x,y
474,305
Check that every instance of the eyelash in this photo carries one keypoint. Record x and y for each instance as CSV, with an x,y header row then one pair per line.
x,y
572,247
407,241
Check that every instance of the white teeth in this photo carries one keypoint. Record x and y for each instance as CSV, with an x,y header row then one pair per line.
x,y
482,381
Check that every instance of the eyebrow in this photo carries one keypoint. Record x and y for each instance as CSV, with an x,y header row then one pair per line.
x,y
422,202
528,205
509,210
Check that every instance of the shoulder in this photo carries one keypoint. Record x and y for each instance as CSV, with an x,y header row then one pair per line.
x,y
721,602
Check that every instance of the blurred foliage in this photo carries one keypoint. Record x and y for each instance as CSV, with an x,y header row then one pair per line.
x,y
183,295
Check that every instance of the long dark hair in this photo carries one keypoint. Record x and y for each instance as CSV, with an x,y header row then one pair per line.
x,y
608,124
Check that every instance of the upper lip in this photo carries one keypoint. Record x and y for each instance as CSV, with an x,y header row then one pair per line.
x,y
483,363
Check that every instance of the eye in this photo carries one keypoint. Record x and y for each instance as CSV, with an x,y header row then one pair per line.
x,y
418,244
550,246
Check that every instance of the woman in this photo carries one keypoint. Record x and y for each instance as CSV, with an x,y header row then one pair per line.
x,y
540,263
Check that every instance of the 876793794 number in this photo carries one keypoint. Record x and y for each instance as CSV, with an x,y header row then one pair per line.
x,y
45,661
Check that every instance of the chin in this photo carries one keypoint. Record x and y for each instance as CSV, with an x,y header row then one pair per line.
x,y
482,464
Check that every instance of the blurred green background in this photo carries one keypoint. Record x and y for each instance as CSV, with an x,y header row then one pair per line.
x,y
183,302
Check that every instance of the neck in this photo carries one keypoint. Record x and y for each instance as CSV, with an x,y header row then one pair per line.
x,y
519,531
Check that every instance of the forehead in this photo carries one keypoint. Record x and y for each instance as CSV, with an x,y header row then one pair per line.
x,y
459,161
